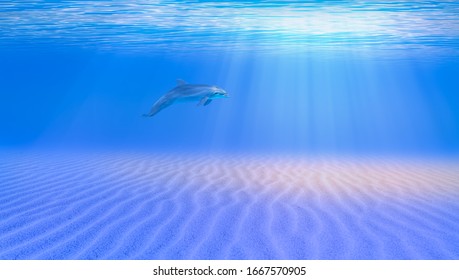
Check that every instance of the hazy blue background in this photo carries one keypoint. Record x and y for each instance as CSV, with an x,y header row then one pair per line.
x,y
340,77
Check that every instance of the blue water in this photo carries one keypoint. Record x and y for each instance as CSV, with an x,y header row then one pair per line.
x,y
276,104
307,76
304,78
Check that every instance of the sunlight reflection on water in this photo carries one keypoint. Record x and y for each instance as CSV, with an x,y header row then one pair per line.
x,y
426,26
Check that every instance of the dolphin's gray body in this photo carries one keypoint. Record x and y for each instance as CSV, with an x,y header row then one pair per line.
x,y
184,92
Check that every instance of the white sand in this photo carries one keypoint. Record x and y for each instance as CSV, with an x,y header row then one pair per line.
x,y
131,206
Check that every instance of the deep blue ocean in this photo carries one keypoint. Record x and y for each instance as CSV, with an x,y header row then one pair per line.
x,y
303,76
339,139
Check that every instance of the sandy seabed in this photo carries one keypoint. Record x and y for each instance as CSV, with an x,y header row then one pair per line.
x,y
190,206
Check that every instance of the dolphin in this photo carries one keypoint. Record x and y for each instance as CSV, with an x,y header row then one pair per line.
x,y
185,92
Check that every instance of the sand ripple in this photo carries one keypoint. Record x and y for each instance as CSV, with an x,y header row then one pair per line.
x,y
133,206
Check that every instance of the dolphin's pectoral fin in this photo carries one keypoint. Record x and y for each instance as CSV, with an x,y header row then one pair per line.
x,y
207,101
203,101
180,82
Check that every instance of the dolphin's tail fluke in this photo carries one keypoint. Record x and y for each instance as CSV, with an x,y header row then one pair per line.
x,y
162,103
153,112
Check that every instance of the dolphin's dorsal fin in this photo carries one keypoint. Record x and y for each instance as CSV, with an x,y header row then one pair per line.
x,y
180,82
